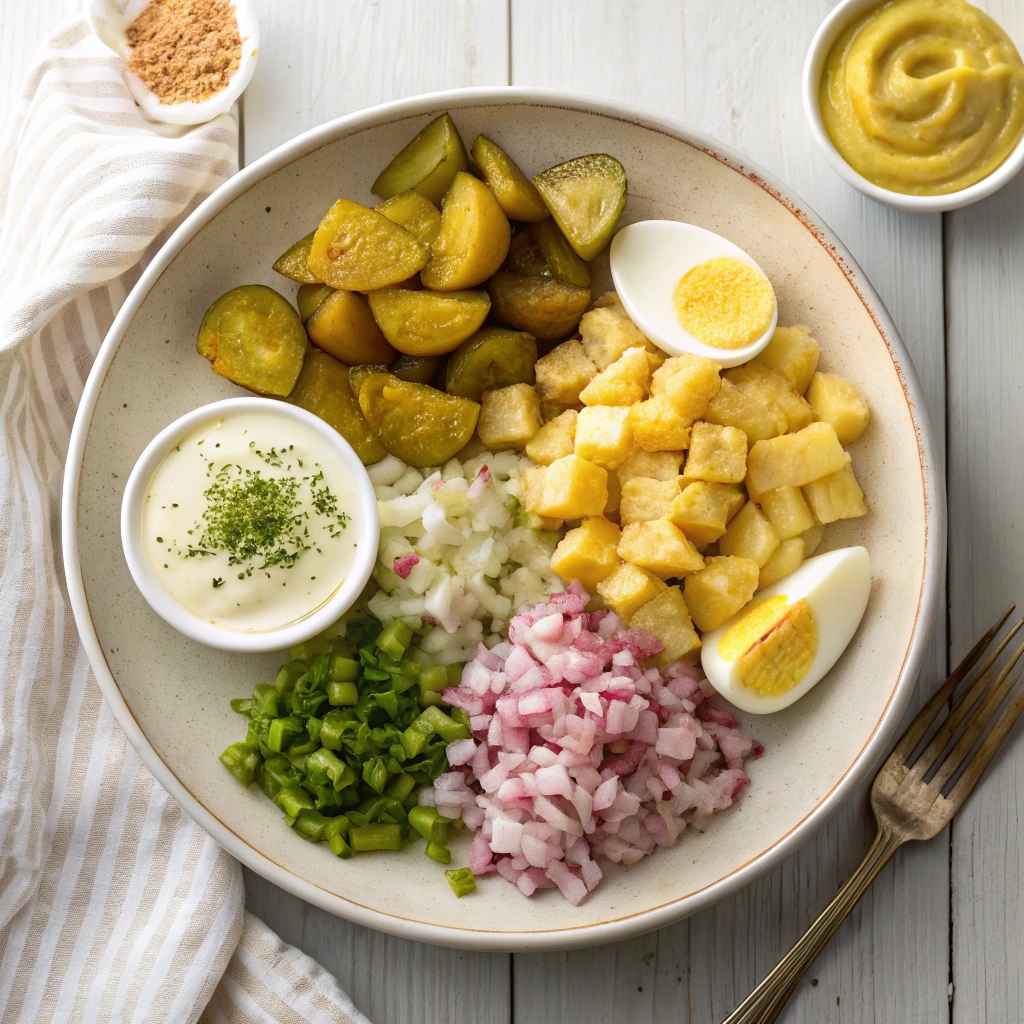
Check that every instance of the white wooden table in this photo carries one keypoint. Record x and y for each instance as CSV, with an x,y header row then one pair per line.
x,y
944,924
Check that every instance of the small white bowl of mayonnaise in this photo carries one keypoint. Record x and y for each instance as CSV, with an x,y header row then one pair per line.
x,y
249,525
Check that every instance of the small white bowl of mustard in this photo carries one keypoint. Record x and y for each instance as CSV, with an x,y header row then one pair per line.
x,y
918,104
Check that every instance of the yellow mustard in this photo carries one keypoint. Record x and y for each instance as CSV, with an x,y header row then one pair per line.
x,y
724,303
923,97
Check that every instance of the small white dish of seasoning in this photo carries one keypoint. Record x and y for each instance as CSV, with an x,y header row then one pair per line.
x,y
187,61
249,525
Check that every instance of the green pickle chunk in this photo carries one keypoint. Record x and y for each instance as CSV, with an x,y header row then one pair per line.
x,y
428,164
294,261
493,358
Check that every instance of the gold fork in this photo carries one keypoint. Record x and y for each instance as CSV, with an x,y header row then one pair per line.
x,y
907,803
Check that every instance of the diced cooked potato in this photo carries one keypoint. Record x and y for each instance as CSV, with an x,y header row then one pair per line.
x,y
836,496
660,547
555,439
658,427
718,454
786,559
509,417
628,589
689,382
773,391
787,511
793,353
656,465
625,382
750,535
836,401
667,618
644,499
703,510
588,553
614,495
603,435
564,372
720,589
732,408
812,538
607,332
793,460
552,410
570,488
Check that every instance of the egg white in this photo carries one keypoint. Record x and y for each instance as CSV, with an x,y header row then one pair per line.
x,y
836,586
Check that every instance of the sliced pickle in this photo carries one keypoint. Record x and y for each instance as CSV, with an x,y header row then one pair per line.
x,y
417,214
525,256
586,197
323,389
359,249
544,306
344,326
427,323
560,255
294,261
415,369
428,164
492,358
360,376
309,298
252,336
473,241
516,194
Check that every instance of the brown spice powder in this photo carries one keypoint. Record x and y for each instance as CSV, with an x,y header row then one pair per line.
x,y
185,50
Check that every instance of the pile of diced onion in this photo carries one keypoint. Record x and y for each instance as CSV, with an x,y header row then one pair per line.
x,y
456,552
579,752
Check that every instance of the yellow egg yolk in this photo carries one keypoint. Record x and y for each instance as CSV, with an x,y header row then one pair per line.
x,y
724,303
774,645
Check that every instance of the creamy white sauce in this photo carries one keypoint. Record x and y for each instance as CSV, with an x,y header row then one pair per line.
x,y
212,494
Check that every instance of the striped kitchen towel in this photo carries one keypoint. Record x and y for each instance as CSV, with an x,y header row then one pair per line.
x,y
114,906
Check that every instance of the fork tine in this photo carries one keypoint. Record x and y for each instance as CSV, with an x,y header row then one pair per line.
x,y
962,789
925,717
965,704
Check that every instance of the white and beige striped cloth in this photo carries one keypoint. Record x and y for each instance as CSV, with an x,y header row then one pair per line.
x,y
114,906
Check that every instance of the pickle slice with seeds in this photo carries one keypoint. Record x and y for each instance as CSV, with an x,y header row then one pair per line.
x,y
493,358
417,214
344,326
559,255
525,256
427,164
294,261
544,306
428,323
421,425
309,297
415,369
516,194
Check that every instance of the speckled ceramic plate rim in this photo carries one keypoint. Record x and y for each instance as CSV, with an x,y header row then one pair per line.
x,y
568,937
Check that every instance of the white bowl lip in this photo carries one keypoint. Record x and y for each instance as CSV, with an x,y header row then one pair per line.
x,y
184,621
572,936
724,357
830,30
103,15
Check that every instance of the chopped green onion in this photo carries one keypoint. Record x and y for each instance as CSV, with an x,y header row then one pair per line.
x,y
242,706
264,701
448,729
334,835
431,825
242,762
310,825
429,698
344,670
435,851
292,799
376,837
434,678
461,880
400,787
395,637
282,731
342,694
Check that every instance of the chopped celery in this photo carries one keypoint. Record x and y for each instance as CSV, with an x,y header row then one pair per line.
x,y
440,853
344,670
431,825
292,799
375,837
395,637
434,678
342,694
461,880
242,762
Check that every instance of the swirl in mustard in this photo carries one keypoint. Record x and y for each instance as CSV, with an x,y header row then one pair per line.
x,y
923,97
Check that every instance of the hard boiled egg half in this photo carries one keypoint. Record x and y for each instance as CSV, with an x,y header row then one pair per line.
x,y
771,652
692,291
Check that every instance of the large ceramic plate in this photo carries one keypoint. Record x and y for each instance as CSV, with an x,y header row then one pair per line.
x,y
171,695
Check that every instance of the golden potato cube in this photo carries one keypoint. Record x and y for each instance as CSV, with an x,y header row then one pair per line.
x,y
720,590
554,440
660,547
834,400
509,417
623,383
787,511
703,510
793,460
644,499
793,353
570,488
773,391
667,617
812,538
750,535
563,373
611,506
608,299
718,454
588,553
657,426
654,465
603,435
607,332
786,559
836,496
689,382
629,588
552,410
732,408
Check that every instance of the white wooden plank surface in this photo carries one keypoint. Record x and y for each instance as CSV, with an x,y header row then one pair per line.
x,y
985,304
732,68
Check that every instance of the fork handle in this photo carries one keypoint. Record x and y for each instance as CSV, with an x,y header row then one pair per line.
x,y
765,1003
